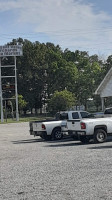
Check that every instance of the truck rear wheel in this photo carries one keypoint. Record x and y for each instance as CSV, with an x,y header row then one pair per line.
x,y
45,136
100,136
57,134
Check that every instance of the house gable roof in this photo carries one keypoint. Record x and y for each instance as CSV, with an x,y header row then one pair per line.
x,y
104,83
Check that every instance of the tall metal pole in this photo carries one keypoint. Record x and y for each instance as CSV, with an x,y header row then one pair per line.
x,y
16,93
1,100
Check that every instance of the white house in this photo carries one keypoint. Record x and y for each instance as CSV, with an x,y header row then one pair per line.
x,y
105,87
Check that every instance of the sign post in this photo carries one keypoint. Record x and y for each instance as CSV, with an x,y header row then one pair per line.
x,y
6,51
1,100
16,93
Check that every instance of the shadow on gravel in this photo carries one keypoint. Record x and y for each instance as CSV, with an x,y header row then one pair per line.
x,y
109,139
64,145
75,143
66,139
27,141
40,140
101,147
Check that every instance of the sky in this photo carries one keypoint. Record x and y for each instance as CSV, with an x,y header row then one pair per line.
x,y
84,25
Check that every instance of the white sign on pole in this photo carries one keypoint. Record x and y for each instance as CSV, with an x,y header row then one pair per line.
x,y
11,50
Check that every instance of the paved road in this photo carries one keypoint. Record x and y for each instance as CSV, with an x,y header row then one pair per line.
x,y
32,169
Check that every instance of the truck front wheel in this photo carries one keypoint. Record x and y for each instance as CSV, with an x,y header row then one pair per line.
x,y
57,134
100,136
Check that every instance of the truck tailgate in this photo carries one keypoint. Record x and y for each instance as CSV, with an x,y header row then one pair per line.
x,y
73,125
37,126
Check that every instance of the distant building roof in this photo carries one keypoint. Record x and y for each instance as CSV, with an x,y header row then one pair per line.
x,y
105,87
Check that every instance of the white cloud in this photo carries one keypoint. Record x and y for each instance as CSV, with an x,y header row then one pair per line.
x,y
68,22
7,5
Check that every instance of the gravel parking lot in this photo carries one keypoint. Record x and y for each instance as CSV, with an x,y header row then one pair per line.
x,y
33,169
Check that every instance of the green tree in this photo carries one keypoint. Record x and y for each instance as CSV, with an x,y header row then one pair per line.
x,y
108,64
61,73
31,68
21,103
60,101
88,81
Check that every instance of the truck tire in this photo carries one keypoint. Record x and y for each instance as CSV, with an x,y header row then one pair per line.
x,y
45,136
84,139
100,136
57,134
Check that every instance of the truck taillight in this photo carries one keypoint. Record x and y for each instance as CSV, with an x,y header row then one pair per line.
x,y
83,125
43,126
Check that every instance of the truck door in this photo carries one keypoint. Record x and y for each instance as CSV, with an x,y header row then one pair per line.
x,y
74,124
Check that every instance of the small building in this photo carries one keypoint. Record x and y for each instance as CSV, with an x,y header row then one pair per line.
x,y
105,87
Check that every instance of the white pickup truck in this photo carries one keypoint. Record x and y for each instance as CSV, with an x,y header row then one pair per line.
x,y
84,130
51,129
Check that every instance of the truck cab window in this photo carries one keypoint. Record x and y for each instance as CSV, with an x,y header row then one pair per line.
x,y
108,111
86,115
75,115
63,116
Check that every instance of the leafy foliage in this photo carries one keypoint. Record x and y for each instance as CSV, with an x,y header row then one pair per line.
x,y
21,103
60,101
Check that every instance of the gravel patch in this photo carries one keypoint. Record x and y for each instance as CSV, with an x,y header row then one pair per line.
x,y
33,169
